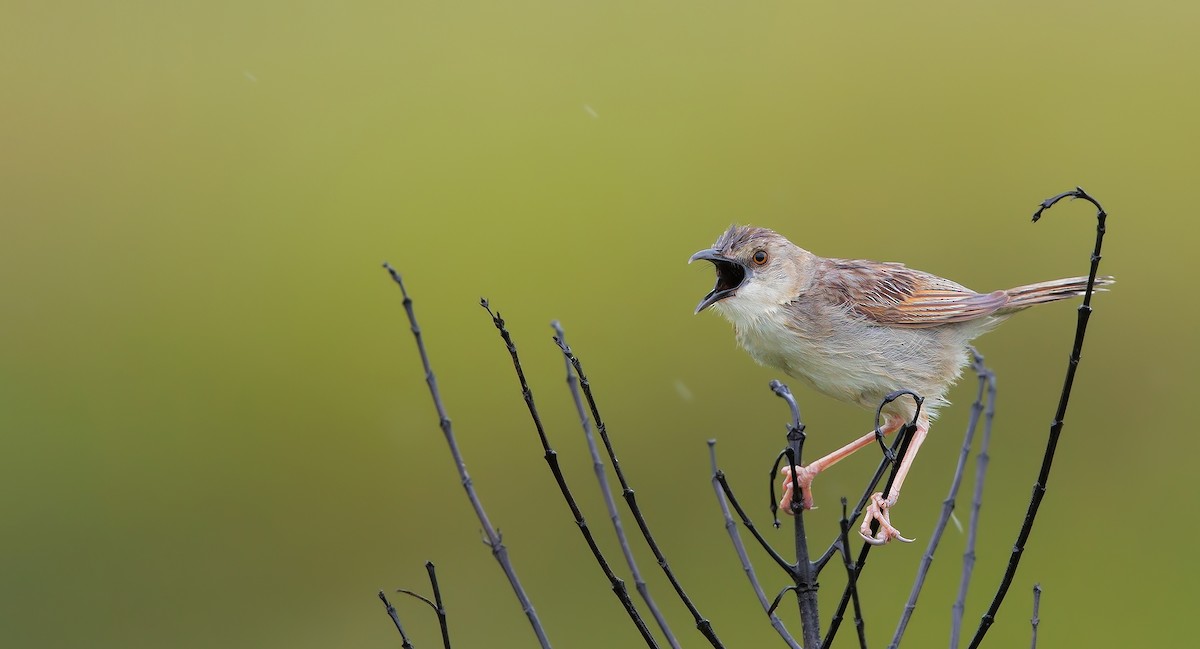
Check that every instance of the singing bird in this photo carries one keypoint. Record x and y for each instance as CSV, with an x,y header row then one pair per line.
x,y
857,330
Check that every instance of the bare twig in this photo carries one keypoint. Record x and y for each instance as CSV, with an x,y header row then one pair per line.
x,y
778,558
740,548
441,608
391,610
948,504
851,589
618,586
892,456
438,608
499,551
598,467
981,466
1035,620
1039,487
804,573
851,576
702,624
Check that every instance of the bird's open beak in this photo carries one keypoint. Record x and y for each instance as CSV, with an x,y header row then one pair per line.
x,y
730,275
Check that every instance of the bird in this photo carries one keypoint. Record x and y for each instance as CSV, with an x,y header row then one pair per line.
x,y
857,330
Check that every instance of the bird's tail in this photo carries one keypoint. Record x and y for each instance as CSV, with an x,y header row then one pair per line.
x,y
1059,289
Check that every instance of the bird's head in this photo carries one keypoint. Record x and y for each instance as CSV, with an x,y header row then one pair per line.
x,y
756,269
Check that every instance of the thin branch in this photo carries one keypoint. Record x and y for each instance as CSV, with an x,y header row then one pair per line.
x,y
1035,620
851,576
499,551
702,624
779,560
441,608
618,586
740,548
779,597
851,590
391,610
948,504
437,608
889,458
803,572
892,456
1039,487
598,467
418,596
982,460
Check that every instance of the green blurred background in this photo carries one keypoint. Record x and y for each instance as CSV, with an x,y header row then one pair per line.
x,y
214,424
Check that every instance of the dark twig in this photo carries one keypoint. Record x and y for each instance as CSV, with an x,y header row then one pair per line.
x,y
395,620
779,597
499,551
779,560
702,624
981,466
618,586
598,467
438,608
1035,620
418,596
740,548
948,504
803,572
851,576
1039,487
899,448
441,608
893,456
889,452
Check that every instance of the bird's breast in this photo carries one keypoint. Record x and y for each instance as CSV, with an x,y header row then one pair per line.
x,y
849,360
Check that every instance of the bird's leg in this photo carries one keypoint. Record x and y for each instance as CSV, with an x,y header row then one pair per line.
x,y
879,509
805,474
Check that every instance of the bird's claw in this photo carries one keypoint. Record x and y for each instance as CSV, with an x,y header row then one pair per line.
x,y
804,478
878,512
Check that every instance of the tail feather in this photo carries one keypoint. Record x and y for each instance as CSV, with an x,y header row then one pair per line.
x,y
1052,291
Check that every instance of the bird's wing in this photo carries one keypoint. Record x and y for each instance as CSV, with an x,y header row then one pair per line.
x,y
894,295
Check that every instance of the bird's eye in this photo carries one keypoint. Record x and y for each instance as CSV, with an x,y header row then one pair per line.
x,y
760,257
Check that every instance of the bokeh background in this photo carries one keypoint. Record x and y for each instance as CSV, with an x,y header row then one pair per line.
x,y
214,424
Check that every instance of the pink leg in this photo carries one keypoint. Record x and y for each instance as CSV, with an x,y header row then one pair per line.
x,y
879,509
806,474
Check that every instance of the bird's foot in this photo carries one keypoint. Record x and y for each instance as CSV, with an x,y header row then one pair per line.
x,y
879,512
803,479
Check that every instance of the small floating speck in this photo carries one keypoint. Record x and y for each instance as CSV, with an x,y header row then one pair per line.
x,y
684,392
591,111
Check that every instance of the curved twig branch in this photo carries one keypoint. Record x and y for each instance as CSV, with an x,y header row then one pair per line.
x,y
779,597
391,610
740,548
1039,487
423,598
778,558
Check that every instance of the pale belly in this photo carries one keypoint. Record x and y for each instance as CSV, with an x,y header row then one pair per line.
x,y
863,364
